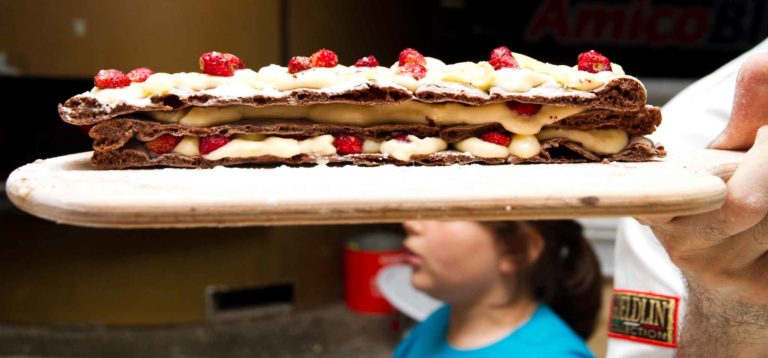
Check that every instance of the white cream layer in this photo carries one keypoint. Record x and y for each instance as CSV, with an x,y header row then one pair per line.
x,y
609,141
257,145
403,150
521,146
241,147
600,141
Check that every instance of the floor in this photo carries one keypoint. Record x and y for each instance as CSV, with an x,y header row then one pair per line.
x,y
332,331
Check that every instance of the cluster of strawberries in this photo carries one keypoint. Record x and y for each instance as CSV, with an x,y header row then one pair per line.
x,y
167,142
590,61
325,58
117,79
321,58
410,62
213,63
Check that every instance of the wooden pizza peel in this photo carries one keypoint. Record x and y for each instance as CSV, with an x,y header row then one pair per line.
x,y
69,190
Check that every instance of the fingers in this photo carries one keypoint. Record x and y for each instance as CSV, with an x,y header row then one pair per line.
x,y
750,105
745,206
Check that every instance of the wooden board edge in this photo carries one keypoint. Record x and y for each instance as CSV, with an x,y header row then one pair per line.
x,y
356,215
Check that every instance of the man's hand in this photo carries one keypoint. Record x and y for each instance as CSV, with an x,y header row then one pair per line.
x,y
724,254
750,106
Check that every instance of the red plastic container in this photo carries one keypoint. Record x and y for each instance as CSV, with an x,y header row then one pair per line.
x,y
363,258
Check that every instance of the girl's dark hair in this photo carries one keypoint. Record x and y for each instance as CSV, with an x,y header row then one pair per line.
x,y
566,276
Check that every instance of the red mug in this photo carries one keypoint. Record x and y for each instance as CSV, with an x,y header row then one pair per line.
x,y
363,258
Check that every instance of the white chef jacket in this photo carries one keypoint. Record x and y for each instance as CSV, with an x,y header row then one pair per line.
x,y
649,293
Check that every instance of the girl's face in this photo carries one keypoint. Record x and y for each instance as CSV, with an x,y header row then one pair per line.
x,y
452,260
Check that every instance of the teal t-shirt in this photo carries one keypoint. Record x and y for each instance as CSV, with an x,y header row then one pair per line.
x,y
544,335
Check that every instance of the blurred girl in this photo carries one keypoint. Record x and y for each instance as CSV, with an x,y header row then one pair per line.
x,y
512,289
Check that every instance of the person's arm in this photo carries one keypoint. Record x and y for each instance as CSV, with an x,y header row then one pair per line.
x,y
724,254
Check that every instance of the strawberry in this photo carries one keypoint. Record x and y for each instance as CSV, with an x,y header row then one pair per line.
x,y
368,61
524,109
348,144
401,137
324,58
234,61
140,74
163,144
298,64
111,79
219,64
410,55
504,62
212,142
495,137
417,71
502,51
593,61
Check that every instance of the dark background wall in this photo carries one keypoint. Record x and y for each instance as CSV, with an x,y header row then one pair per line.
x,y
54,47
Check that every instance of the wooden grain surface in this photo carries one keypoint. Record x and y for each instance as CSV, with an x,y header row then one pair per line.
x,y
68,190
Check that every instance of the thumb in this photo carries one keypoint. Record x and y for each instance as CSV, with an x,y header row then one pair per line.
x,y
750,106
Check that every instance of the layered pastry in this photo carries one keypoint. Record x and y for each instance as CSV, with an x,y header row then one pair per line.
x,y
510,109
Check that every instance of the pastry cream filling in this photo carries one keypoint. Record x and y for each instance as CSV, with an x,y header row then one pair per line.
x,y
524,146
481,148
414,112
370,146
479,75
254,145
241,147
518,79
188,146
317,78
601,141
404,150
521,146
610,141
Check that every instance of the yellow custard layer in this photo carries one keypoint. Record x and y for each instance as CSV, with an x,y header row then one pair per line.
x,y
412,112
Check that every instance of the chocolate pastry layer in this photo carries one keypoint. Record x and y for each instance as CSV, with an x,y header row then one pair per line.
x,y
555,150
115,133
621,93
85,109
